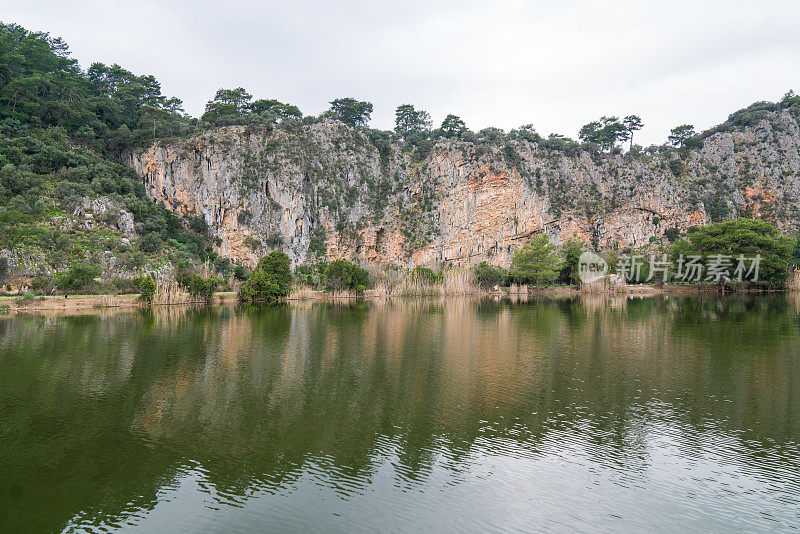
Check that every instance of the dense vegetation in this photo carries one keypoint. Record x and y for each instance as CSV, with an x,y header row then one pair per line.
x,y
537,261
270,280
62,130
741,237
342,274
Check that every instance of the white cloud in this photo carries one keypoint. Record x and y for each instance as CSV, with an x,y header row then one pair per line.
x,y
556,65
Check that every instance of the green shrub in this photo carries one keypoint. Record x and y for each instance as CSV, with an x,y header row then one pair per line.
x,y
146,287
342,274
672,234
151,243
317,245
79,276
537,261
571,254
746,237
676,166
274,240
487,276
201,287
223,266
118,285
278,265
252,242
260,286
270,280
241,273
304,274
40,283
425,275
183,276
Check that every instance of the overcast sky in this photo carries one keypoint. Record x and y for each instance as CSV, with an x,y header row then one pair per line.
x,y
553,64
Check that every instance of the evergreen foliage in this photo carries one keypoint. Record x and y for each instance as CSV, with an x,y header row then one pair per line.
x,y
270,280
536,262
746,237
342,274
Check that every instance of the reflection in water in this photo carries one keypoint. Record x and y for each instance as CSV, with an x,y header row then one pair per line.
x,y
459,414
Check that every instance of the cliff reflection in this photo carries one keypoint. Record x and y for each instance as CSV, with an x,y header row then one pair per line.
x,y
101,413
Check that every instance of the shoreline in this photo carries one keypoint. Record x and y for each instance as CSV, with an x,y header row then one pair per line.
x,y
82,303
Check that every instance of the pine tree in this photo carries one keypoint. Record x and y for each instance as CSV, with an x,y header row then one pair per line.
x,y
537,261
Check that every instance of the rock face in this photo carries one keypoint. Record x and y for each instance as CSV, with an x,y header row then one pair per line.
x,y
111,212
324,189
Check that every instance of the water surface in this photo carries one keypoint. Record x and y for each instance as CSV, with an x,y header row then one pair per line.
x,y
657,415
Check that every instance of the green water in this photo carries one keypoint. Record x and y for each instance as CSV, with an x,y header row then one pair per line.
x,y
645,415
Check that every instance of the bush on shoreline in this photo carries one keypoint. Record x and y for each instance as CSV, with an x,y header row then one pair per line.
x,y
146,287
270,280
487,276
746,237
79,276
344,275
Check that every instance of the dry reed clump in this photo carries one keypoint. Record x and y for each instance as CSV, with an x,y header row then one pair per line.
x,y
453,282
610,283
793,282
383,288
301,292
384,280
105,301
169,292
343,294
518,289
459,282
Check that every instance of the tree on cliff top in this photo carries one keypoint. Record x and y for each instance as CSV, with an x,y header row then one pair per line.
x,y
679,135
453,127
58,126
410,121
632,123
278,109
605,133
227,107
350,111
536,262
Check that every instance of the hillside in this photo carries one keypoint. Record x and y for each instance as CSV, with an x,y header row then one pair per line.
x,y
104,177
67,204
324,189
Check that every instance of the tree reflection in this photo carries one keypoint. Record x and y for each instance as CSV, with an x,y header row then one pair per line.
x,y
100,413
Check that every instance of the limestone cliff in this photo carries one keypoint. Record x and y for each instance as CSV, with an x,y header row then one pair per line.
x,y
325,189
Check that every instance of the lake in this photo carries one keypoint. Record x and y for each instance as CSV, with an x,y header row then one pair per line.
x,y
598,415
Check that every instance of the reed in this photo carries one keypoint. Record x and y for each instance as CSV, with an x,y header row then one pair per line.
x,y
611,283
301,292
105,301
169,292
518,289
343,294
459,281
793,282
453,282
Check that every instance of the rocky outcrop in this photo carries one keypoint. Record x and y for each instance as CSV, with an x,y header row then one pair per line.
x,y
324,189
90,211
